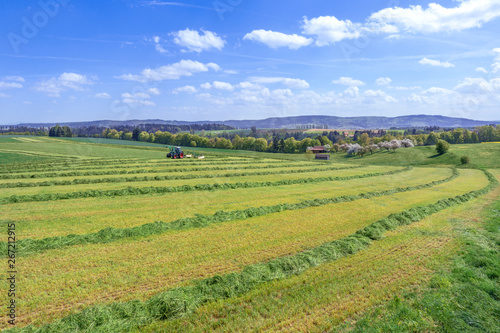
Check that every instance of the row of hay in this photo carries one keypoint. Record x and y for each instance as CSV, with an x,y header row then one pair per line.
x,y
161,178
179,302
182,188
108,235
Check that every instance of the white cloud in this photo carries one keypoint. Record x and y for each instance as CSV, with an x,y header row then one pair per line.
x,y
481,70
349,81
137,102
351,92
248,85
277,39
7,85
206,85
329,30
218,85
426,61
406,88
185,89
193,41
372,96
158,47
66,81
496,65
140,95
2,95
14,78
435,18
153,91
383,81
222,86
171,72
291,83
102,95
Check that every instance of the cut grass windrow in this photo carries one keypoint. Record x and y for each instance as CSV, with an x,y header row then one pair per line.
x,y
83,164
139,171
182,188
161,178
143,163
182,301
108,235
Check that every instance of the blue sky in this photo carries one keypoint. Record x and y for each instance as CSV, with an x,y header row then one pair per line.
x,y
69,60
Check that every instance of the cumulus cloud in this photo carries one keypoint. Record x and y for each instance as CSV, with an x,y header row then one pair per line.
x,y
222,85
383,81
218,85
137,102
435,18
277,39
153,91
193,41
158,47
348,81
14,78
394,21
102,95
291,83
185,89
66,81
136,95
445,64
374,96
496,65
7,85
171,72
481,70
329,29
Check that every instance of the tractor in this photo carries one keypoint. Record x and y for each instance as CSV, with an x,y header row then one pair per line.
x,y
175,152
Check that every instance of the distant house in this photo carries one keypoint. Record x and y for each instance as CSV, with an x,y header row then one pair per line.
x,y
318,149
322,156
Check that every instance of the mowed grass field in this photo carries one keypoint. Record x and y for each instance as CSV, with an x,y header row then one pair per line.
x,y
77,206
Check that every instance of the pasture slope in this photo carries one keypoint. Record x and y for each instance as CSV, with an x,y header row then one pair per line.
x,y
114,237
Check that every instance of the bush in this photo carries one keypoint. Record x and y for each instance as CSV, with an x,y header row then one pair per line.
x,y
465,160
442,147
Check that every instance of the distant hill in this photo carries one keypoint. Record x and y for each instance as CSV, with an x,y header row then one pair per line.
x,y
360,122
294,122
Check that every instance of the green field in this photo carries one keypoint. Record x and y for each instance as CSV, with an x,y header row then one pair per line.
x,y
113,237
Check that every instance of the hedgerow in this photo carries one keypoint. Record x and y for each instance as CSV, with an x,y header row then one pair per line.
x,y
182,301
161,178
182,188
108,235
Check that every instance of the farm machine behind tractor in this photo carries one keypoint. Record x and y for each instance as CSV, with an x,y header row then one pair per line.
x,y
175,152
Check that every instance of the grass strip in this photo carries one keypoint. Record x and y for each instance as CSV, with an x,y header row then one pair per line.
x,y
139,171
15,170
182,188
161,178
465,298
108,235
182,301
